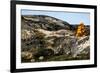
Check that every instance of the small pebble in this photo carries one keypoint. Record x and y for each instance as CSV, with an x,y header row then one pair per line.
x,y
32,60
41,58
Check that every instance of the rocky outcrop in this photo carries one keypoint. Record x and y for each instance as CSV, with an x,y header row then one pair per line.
x,y
43,37
44,22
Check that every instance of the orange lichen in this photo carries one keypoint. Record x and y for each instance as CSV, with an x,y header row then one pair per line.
x,y
80,30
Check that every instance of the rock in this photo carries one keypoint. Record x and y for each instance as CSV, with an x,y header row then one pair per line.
x,y
44,22
32,60
65,45
45,36
26,34
41,58
83,46
26,56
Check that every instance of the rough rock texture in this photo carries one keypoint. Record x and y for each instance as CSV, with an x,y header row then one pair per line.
x,y
45,38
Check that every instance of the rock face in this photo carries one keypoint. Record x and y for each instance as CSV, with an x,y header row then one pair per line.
x,y
45,37
44,22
